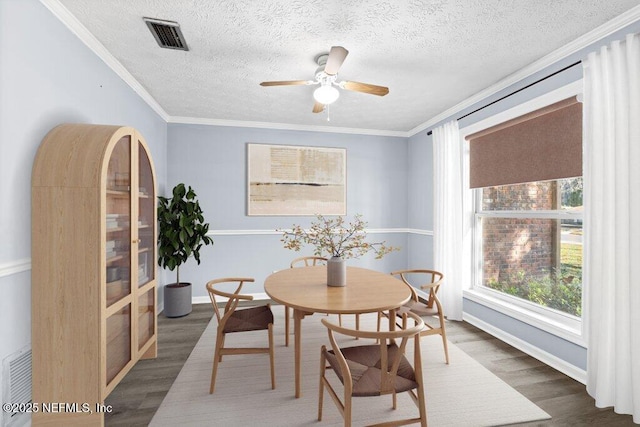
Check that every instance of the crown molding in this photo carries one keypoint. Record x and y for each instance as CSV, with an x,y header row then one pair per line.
x,y
72,23
98,48
76,27
608,28
284,126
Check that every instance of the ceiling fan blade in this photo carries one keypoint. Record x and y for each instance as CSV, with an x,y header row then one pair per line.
x,y
337,55
287,83
365,88
317,107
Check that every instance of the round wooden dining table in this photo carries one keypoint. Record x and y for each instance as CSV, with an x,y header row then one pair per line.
x,y
305,290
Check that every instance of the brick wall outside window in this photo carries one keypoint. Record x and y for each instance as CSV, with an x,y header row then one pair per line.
x,y
516,246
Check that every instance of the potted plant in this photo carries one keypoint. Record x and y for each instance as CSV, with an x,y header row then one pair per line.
x,y
337,239
182,233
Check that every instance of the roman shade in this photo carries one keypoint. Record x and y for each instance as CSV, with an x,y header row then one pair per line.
x,y
542,145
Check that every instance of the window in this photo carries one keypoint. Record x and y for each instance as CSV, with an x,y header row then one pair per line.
x,y
529,242
525,168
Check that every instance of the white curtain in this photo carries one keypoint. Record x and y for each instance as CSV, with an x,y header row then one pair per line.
x,y
612,224
450,253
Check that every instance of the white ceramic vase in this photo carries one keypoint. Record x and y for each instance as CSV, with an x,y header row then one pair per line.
x,y
336,272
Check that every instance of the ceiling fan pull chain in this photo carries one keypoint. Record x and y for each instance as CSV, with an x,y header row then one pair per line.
x,y
328,108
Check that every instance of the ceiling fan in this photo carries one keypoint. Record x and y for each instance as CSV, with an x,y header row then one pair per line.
x,y
326,75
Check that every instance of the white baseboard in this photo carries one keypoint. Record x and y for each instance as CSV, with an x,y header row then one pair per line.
x,y
555,362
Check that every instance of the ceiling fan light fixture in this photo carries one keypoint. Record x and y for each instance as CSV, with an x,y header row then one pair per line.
x,y
326,94
325,76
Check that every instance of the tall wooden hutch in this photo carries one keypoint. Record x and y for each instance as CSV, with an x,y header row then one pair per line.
x,y
93,267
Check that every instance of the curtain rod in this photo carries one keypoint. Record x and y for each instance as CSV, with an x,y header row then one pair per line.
x,y
516,91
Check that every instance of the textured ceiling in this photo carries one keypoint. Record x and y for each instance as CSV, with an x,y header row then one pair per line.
x,y
432,54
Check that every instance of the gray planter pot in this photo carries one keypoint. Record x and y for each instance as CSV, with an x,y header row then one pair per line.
x,y
177,299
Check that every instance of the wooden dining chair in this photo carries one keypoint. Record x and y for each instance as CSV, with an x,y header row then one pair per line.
x,y
232,319
430,309
374,370
305,261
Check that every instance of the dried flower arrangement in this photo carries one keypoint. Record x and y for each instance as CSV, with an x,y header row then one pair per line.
x,y
335,237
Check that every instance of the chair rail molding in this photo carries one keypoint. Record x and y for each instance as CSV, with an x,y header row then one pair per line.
x,y
420,231
20,266
15,267
258,232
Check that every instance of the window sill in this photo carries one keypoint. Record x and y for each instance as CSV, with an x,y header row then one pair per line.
x,y
563,326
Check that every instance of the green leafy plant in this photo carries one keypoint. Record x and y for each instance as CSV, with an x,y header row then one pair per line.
x,y
557,289
182,230
335,237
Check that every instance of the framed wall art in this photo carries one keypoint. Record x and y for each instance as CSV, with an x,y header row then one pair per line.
x,y
296,180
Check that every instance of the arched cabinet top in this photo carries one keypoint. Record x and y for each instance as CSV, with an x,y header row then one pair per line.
x,y
77,155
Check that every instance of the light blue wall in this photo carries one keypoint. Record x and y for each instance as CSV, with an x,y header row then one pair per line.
x,y
563,349
212,159
47,77
420,202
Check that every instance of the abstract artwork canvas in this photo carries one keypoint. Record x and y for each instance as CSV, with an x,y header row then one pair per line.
x,y
296,180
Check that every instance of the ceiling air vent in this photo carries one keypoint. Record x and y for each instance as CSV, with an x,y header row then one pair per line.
x,y
167,33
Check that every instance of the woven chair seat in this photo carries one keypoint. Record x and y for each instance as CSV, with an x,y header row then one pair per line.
x,y
364,363
249,319
432,309
419,308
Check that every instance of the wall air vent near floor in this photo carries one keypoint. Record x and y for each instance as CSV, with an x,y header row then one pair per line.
x,y
167,33
16,388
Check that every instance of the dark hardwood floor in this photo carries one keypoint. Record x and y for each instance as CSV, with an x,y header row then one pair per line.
x,y
565,399
140,393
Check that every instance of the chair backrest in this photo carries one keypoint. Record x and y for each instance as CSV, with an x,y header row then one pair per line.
x,y
388,368
425,279
232,299
307,261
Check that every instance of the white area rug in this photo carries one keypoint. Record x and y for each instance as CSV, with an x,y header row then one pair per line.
x,y
463,393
